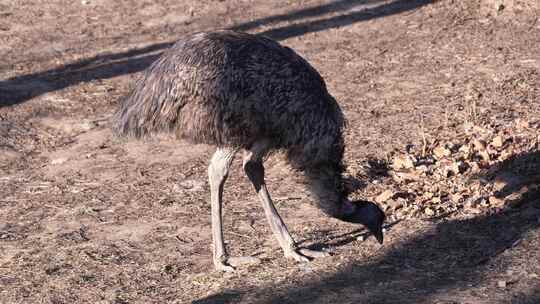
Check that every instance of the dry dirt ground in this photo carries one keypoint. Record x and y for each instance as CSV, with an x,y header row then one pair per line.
x,y
442,99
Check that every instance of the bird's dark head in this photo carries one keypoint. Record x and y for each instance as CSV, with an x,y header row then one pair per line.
x,y
365,213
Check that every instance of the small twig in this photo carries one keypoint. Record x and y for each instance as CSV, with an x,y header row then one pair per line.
x,y
533,24
239,234
288,198
446,116
423,133
182,240
444,28
474,111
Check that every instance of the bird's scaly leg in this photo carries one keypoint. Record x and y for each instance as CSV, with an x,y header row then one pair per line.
x,y
217,175
255,171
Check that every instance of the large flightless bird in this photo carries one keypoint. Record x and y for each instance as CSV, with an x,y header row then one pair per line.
x,y
243,92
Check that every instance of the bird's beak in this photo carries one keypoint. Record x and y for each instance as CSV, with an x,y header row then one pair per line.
x,y
377,233
379,236
365,213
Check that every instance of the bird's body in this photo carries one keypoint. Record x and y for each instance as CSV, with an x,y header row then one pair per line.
x,y
240,91
231,89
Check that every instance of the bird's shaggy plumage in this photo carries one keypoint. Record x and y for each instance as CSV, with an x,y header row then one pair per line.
x,y
231,89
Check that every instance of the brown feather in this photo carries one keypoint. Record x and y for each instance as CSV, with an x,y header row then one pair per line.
x,y
227,88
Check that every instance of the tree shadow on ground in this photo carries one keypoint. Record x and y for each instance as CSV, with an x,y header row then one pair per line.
x,y
384,10
332,7
518,177
451,258
22,88
532,297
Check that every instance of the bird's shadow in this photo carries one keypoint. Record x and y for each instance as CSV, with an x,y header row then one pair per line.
x,y
334,240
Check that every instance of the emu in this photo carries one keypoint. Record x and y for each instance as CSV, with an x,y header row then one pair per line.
x,y
238,91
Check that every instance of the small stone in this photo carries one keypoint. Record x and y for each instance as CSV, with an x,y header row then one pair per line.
x,y
506,154
456,198
396,204
405,176
85,2
501,284
479,145
492,151
454,168
474,167
88,125
523,124
403,162
429,212
465,151
383,197
485,155
494,201
361,238
467,126
59,161
497,142
422,168
471,203
475,211
190,185
480,130
441,152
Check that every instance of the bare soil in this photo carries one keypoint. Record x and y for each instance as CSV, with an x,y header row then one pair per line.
x,y
442,100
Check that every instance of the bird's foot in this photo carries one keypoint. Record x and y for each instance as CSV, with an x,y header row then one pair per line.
x,y
231,263
305,255
223,266
314,253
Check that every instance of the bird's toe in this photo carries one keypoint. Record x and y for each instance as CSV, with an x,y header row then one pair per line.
x,y
297,256
314,253
223,267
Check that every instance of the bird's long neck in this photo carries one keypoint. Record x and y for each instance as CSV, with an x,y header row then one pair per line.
x,y
326,184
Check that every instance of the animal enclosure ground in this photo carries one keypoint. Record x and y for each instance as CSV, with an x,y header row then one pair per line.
x,y
442,101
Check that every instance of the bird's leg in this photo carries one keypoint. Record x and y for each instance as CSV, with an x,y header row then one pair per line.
x,y
255,171
217,174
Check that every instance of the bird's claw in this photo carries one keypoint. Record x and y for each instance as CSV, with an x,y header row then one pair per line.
x,y
314,253
223,267
305,255
229,264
